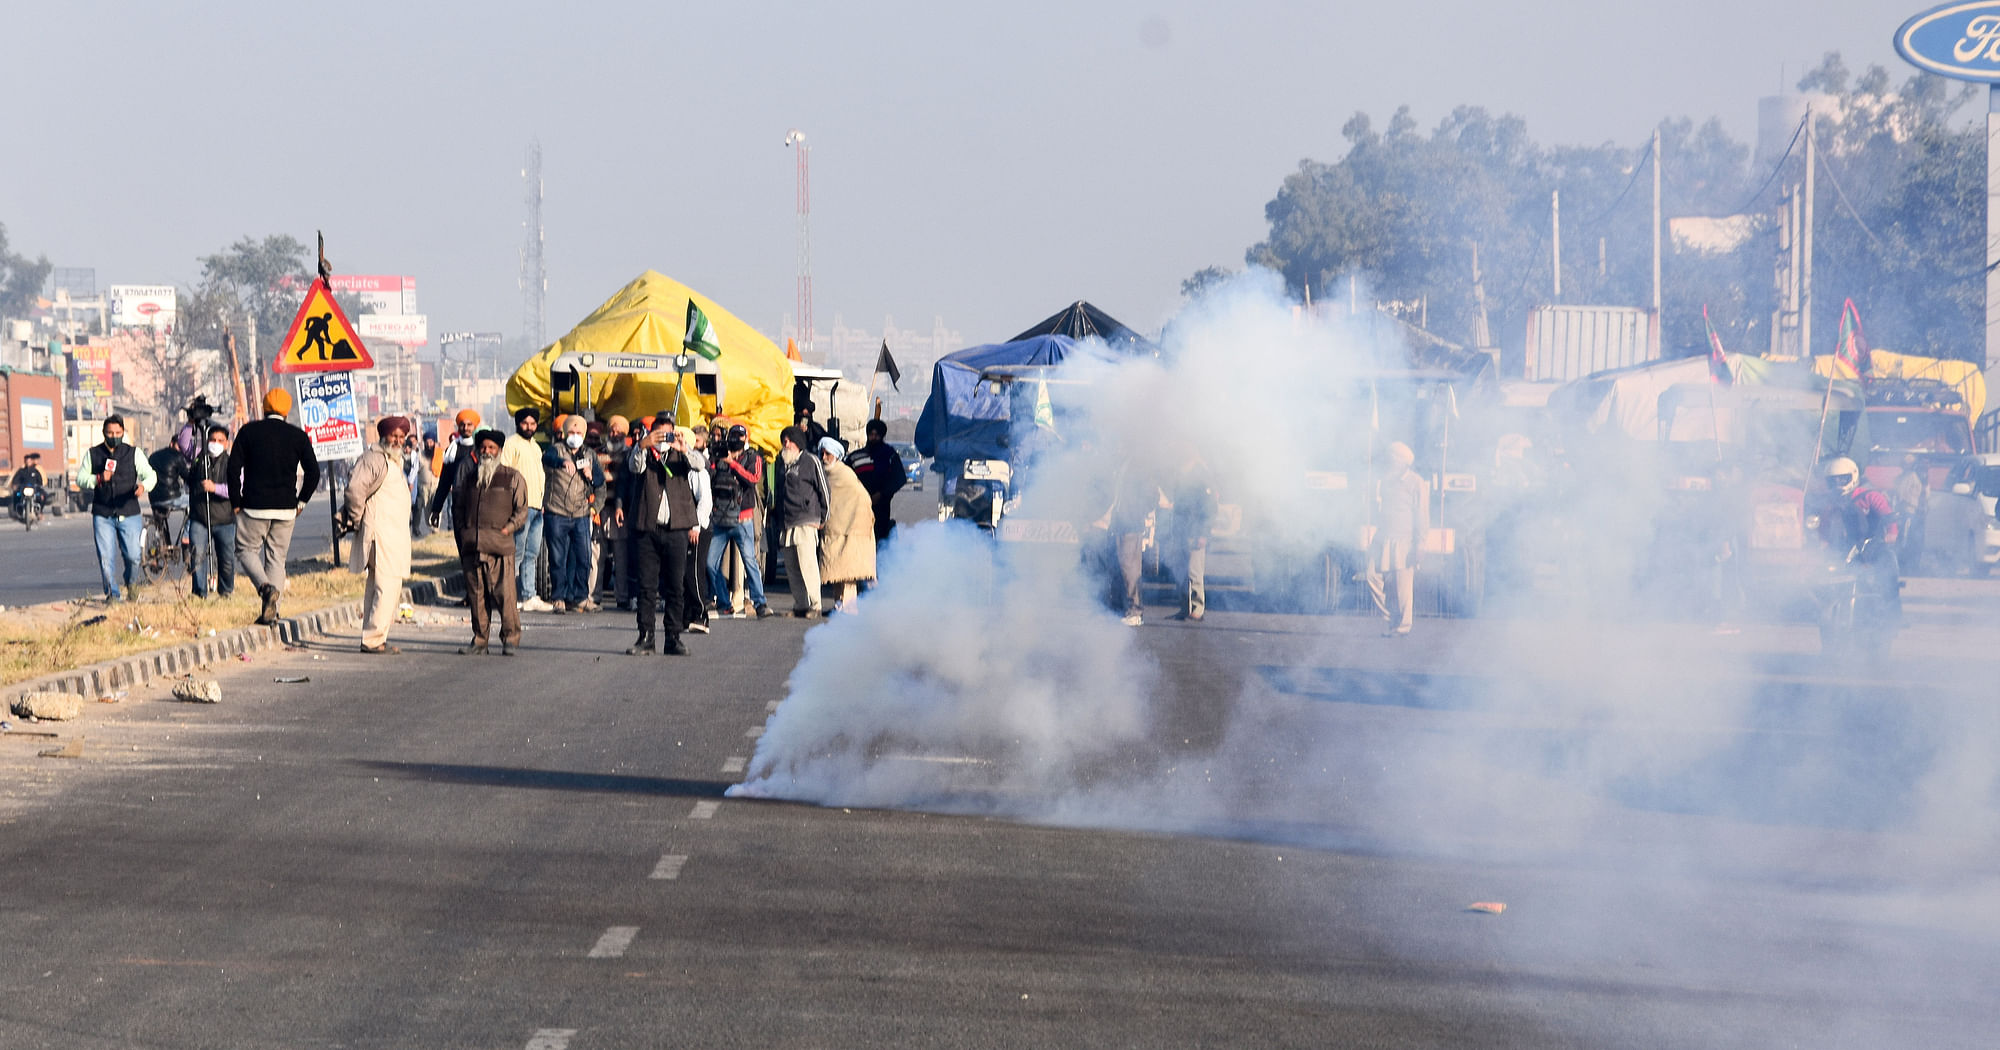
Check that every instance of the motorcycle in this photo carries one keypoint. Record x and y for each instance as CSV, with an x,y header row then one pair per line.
x,y
1860,602
27,505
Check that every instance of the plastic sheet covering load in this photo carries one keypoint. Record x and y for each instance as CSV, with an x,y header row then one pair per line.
x,y
648,316
1962,376
967,419
1627,400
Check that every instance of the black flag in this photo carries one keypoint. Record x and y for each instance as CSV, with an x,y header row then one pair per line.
x,y
885,363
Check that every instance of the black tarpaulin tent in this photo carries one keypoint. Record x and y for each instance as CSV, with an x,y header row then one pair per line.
x,y
1080,320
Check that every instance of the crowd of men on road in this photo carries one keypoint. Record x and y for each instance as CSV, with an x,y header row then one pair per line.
x,y
662,520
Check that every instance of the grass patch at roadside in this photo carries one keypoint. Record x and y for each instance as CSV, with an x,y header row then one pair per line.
x,y
36,640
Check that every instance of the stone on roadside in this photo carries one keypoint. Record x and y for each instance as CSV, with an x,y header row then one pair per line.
x,y
198,691
49,705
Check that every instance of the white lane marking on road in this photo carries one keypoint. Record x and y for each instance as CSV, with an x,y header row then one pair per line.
x,y
733,764
704,810
669,866
551,1039
753,732
614,942
771,707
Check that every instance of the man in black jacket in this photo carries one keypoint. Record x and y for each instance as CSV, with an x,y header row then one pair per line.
x,y
116,476
880,468
802,501
272,473
658,505
211,520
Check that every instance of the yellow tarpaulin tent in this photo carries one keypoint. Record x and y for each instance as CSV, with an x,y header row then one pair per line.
x,y
1962,376
648,317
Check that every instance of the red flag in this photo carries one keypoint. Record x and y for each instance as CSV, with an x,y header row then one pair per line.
x,y
1718,362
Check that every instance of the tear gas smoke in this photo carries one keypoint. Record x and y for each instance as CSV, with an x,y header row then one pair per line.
x,y
991,678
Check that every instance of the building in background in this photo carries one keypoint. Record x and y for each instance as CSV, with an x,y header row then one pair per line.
x,y
853,351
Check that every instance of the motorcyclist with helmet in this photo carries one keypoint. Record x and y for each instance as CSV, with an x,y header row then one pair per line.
x,y
28,477
1858,521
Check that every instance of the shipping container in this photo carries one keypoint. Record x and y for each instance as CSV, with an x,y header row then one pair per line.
x,y
31,416
1570,342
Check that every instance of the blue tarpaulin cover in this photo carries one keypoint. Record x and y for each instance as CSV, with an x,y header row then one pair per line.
x,y
964,419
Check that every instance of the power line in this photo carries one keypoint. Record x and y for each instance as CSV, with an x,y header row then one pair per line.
x,y
1633,181
1776,168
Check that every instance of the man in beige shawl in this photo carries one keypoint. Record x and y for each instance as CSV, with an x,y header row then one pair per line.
x,y
377,509
1402,517
847,540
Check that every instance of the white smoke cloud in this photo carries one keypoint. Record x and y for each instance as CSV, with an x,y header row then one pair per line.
x,y
991,679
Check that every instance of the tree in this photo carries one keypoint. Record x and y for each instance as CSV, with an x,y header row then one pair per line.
x,y
1900,212
20,280
1201,281
268,278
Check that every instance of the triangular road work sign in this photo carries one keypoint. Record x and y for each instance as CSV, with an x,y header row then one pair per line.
x,y
321,340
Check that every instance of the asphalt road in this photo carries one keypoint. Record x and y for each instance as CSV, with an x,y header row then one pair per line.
x,y
58,560
1701,841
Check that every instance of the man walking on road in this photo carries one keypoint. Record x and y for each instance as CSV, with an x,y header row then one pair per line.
x,y
847,539
377,510
658,505
802,502
524,455
452,460
1402,515
487,508
571,483
272,474
880,468
211,520
117,478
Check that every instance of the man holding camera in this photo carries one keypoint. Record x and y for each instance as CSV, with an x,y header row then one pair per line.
x,y
737,478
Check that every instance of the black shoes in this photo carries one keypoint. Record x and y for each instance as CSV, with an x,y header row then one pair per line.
x,y
269,614
765,612
674,647
642,647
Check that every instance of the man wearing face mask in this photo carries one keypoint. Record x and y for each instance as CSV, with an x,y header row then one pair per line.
x,y
572,480
453,461
618,532
211,521
116,478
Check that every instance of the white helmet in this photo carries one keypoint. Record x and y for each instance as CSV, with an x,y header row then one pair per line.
x,y
1841,474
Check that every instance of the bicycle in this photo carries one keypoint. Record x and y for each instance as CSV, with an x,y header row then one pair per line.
x,y
163,551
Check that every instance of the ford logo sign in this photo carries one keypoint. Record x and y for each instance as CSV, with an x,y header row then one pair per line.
x,y
1957,40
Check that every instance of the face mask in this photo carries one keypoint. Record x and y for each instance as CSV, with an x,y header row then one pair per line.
x,y
215,448
112,440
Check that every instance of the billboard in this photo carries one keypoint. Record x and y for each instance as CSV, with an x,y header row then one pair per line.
x,y
94,378
402,329
38,423
326,411
377,293
141,305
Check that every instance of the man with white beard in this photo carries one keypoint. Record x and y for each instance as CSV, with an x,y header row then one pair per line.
x,y
1402,515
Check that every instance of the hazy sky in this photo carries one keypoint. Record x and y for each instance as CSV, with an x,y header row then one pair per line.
x,y
987,163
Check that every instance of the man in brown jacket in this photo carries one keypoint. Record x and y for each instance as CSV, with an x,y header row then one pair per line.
x,y
488,504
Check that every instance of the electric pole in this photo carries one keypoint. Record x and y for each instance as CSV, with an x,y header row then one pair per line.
x,y
534,276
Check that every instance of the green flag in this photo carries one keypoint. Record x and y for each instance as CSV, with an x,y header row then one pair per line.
x,y
700,336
